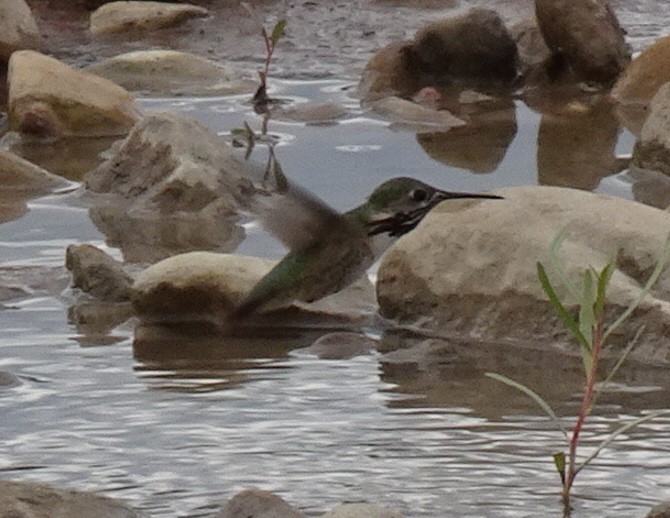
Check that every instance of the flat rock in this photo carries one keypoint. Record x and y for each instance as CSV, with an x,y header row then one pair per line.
x,y
586,36
257,503
47,98
18,29
652,149
169,72
403,112
144,16
470,266
362,511
31,500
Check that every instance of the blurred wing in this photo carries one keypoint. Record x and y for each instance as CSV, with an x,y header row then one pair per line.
x,y
298,218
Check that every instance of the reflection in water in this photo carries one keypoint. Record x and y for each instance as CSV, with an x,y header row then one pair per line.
x,y
577,149
479,146
142,238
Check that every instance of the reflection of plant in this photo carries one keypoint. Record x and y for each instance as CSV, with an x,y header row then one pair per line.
x,y
261,98
590,331
246,137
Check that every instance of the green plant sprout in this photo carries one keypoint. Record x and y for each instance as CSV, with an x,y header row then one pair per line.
x,y
261,99
591,332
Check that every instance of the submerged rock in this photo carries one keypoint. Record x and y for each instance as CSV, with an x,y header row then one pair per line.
x,y
652,149
47,98
585,36
470,266
342,346
168,72
407,113
134,15
362,511
18,29
258,503
28,499
661,510
96,273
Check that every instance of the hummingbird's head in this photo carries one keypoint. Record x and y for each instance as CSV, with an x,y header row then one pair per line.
x,y
398,205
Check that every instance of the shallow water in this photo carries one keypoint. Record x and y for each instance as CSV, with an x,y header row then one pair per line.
x,y
177,432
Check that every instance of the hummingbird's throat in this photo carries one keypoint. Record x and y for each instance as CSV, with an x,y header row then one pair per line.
x,y
397,224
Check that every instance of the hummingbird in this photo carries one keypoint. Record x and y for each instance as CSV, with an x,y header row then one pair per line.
x,y
328,250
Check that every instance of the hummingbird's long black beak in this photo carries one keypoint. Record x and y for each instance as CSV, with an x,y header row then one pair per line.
x,y
400,223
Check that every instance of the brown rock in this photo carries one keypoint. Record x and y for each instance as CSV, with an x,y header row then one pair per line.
x,y
257,503
584,35
48,98
135,15
95,272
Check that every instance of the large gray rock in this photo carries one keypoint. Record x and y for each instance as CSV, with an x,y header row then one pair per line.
x,y
168,72
257,503
47,98
586,36
18,29
470,266
652,149
31,500
127,16
171,186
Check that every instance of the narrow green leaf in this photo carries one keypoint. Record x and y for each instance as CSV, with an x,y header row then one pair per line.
x,y
278,31
621,359
623,429
560,309
533,395
658,270
587,319
280,178
559,462
603,281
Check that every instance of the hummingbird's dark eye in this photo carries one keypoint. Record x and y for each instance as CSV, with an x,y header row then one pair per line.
x,y
418,195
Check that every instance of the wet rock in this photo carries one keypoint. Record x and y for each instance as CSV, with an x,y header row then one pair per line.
x,y
405,113
342,346
145,16
650,187
170,186
534,55
661,510
257,503
8,380
19,174
640,82
47,98
197,286
584,36
392,71
96,273
470,268
474,48
362,511
311,112
652,149
31,500
168,72
18,29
